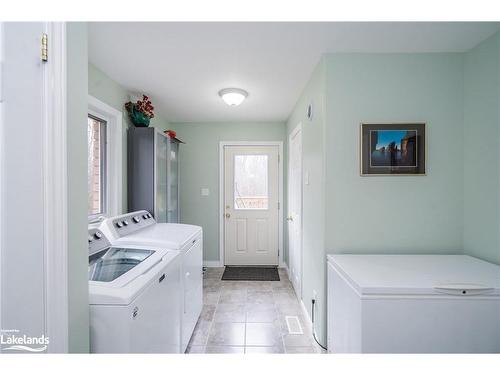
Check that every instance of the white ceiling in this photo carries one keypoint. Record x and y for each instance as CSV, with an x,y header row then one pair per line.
x,y
184,65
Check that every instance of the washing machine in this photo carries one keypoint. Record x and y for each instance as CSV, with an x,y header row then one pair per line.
x,y
141,229
134,297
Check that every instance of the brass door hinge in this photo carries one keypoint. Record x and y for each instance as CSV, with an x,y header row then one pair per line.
x,y
45,51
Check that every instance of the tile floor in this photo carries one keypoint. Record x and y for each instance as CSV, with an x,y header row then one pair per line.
x,y
249,317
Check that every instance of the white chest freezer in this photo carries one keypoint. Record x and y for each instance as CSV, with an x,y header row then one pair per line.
x,y
413,304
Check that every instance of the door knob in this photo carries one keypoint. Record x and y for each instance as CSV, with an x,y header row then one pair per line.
x,y
228,216
289,218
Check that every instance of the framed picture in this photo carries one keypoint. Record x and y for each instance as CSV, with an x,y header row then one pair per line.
x,y
393,149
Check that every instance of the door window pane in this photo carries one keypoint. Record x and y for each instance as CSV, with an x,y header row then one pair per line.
x,y
96,165
251,182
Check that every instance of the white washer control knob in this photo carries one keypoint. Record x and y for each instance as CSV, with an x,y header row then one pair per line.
x,y
136,219
119,224
98,235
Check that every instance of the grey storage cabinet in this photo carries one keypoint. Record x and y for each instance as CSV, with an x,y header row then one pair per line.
x,y
153,174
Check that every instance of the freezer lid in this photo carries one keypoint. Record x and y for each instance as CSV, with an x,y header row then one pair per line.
x,y
169,235
457,275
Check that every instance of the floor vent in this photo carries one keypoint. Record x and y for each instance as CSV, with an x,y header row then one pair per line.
x,y
294,326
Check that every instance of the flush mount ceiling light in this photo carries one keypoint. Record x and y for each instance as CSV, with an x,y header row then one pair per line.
x,y
233,97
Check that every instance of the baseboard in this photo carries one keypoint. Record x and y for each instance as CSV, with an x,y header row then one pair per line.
x,y
306,314
212,263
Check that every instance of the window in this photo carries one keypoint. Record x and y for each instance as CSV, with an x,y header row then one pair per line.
x,y
105,160
96,166
251,182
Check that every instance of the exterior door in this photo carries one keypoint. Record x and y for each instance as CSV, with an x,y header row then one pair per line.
x,y
294,218
251,227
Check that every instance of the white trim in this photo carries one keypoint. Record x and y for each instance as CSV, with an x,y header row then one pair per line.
x,y
114,156
1,155
222,144
55,190
211,263
306,314
292,135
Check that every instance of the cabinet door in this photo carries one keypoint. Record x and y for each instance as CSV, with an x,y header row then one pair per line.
x,y
173,183
161,148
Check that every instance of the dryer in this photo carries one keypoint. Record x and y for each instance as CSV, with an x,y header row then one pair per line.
x,y
141,229
134,298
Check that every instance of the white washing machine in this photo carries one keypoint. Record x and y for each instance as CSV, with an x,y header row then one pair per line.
x,y
140,229
413,304
134,297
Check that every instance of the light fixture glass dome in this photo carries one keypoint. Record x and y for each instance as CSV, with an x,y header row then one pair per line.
x,y
233,97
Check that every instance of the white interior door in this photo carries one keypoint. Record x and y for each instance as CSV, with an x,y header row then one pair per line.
x,y
22,221
251,207
294,217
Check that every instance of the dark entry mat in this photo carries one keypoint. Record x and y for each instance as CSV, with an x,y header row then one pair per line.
x,y
251,273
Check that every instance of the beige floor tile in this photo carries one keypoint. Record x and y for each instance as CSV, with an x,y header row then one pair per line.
x,y
261,313
232,334
262,334
260,286
285,298
264,349
195,349
200,334
234,285
225,349
259,297
207,314
231,313
301,350
233,296
249,316
297,340
211,298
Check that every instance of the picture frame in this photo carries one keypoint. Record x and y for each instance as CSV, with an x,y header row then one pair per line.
x,y
393,149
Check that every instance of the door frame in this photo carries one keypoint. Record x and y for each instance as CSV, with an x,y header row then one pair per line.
x,y
223,144
292,134
56,190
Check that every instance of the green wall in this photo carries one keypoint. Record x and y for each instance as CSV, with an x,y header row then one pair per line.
x,y
395,214
199,168
76,39
344,212
313,194
482,151
113,94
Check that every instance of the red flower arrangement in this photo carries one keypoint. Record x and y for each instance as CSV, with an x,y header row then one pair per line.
x,y
144,106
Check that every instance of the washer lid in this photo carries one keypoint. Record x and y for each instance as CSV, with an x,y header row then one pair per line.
x,y
458,275
124,289
111,263
169,235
